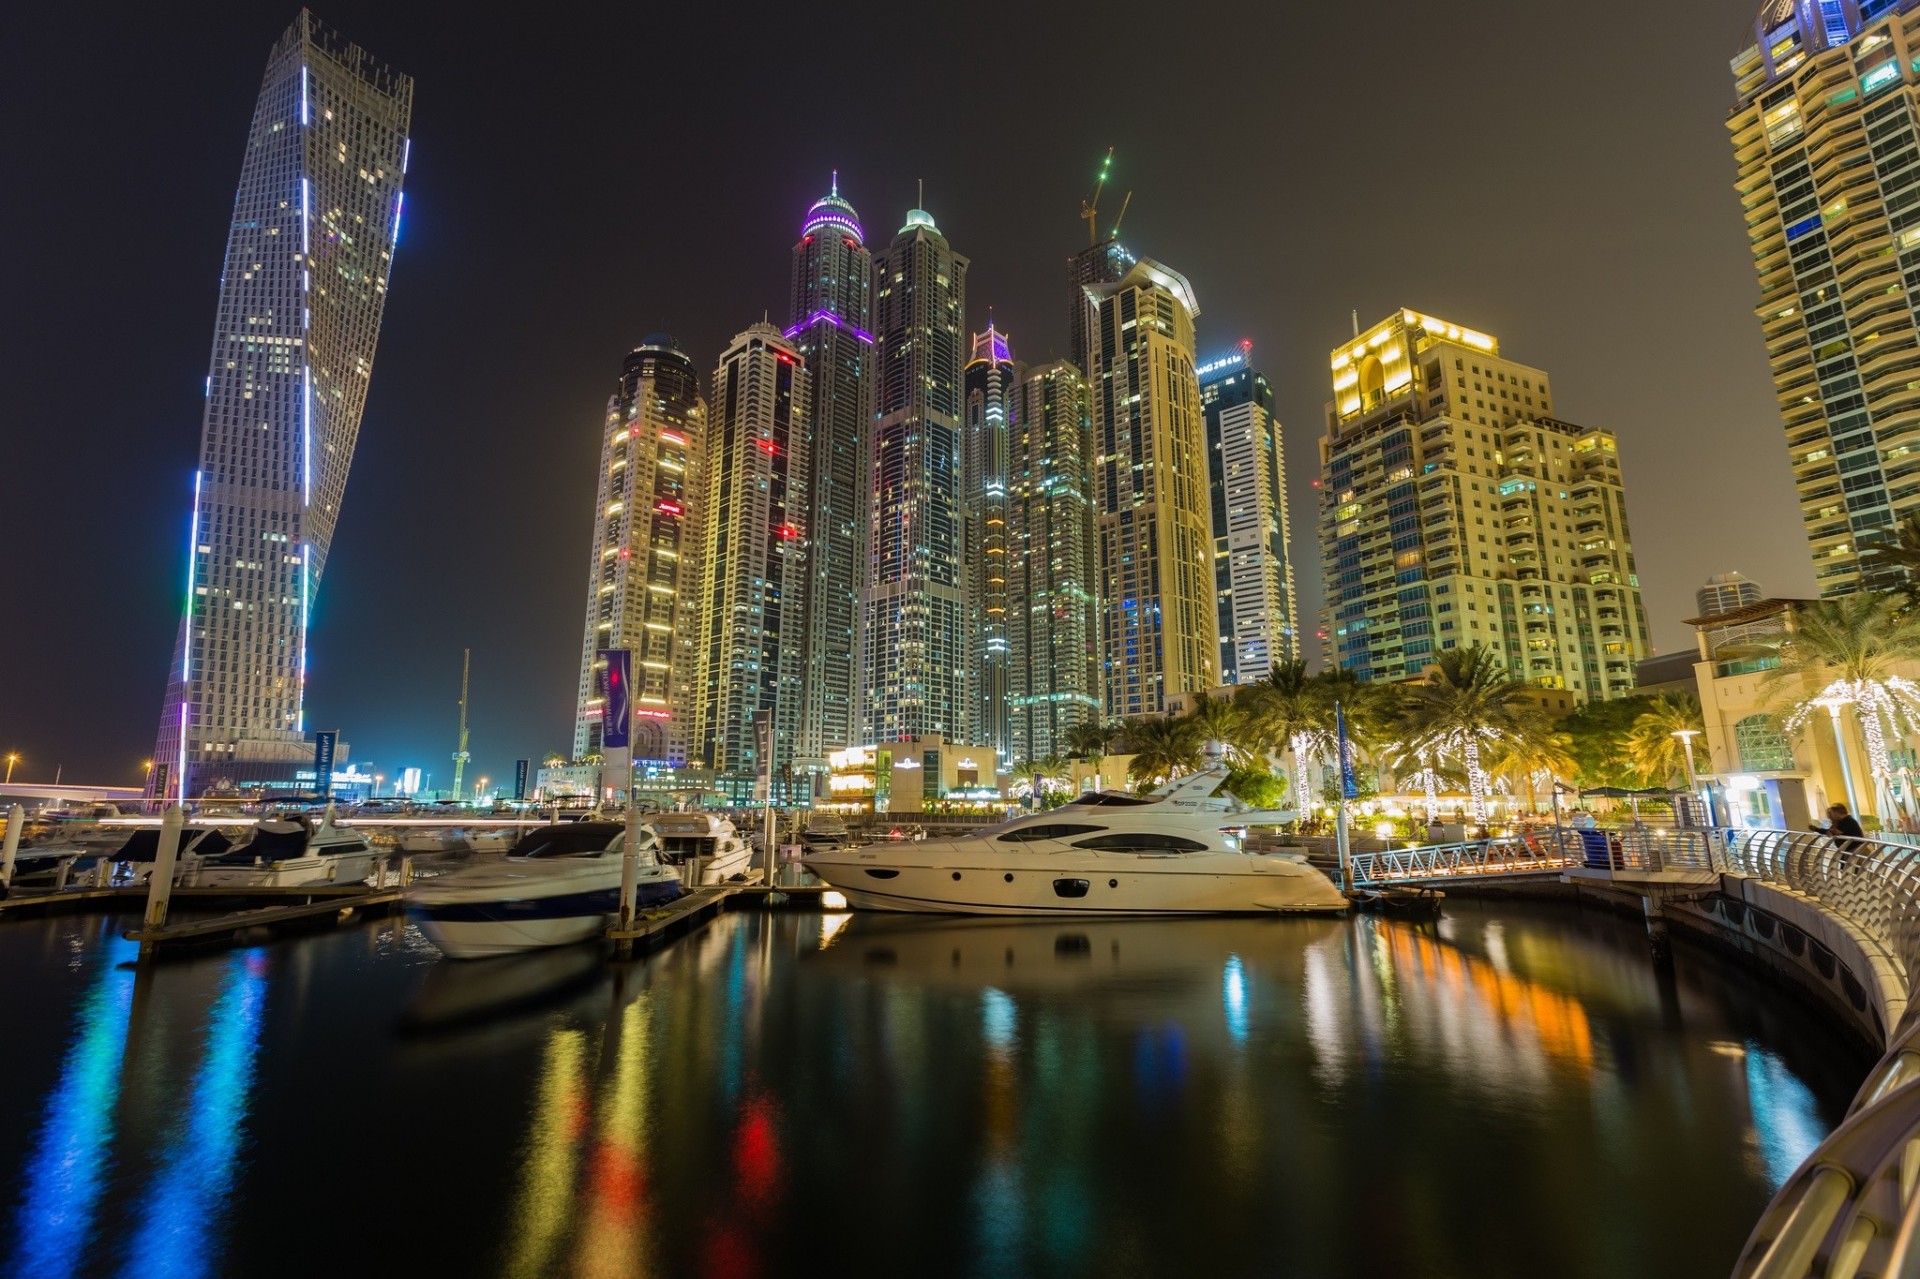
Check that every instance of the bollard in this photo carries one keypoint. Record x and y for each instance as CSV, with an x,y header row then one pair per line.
x,y
406,870
380,875
1656,928
160,883
16,818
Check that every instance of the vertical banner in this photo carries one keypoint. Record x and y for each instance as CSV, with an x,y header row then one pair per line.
x,y
520,767
323,747
762,756
616,723
162,771
1349,787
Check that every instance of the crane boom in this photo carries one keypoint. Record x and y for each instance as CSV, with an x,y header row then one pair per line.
x,y
1090,207
461,756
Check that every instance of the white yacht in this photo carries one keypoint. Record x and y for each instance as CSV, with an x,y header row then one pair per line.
x,y
825,831
289,853
433,839
703,846
1176,852
133,861
560,884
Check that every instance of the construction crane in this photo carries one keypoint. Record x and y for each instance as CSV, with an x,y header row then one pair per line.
x,y
1090,207
461,756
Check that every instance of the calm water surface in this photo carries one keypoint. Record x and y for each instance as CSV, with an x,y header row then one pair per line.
x,y
1515,1092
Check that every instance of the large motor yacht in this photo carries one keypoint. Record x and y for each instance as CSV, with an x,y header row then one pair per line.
x,y
560,884
289,853
704,847
1175,852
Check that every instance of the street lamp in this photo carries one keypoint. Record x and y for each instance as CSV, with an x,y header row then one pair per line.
x,y
1833,702
377,779
479,790
13,757
1686,736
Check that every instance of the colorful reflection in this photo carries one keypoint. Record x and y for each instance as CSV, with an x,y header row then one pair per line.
x,y
63,1177
615,1214
181,1218
1786,1118
545,1197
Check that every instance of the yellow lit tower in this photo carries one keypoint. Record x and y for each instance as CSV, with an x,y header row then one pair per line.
x,y
1455,510
1153,529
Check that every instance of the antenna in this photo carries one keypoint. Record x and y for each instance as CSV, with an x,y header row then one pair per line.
x,y
920,200
1356,321
1090,207
836,184
461,756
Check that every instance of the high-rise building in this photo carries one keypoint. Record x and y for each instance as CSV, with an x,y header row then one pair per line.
x,y
1724,592
919,663
309,251
1455,510
1825,134
832,300
643,577
752,661
1103,262
1247,472
1053,680
1159,631
988,382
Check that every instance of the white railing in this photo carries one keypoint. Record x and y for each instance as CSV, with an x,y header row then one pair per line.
x,y
1640,848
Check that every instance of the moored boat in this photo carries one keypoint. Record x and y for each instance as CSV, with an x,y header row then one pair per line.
x,y
704,847
289,853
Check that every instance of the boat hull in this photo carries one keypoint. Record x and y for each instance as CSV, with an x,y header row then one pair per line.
x,y
292,872
479,928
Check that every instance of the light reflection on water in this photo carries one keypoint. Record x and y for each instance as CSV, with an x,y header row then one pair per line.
x,y
1514,1091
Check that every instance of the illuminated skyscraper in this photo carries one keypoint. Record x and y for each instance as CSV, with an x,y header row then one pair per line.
x,y
1725,592
1247,474
309,250
1826,139
752,597
919,662
1101,263
643,576
1456,510
832,300
989,380
1159,631
1053,643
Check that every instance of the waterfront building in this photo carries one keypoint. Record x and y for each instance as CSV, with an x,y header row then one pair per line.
x,y
831,319
1053,677
1824,133
1725,592
919,658
988,381
1159,631
309,251
1455,509
922,774
643,574
1247,478
752,661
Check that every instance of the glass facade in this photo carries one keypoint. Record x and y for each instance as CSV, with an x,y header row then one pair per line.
x,y
989,380
1247,477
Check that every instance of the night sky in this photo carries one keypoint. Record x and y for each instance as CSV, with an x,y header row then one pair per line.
x,y
1554,174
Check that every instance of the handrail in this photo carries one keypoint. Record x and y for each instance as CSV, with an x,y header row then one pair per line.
x,y
1851,1208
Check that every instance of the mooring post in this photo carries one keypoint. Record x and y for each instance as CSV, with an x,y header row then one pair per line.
x,y
160,885
16,818
1657,941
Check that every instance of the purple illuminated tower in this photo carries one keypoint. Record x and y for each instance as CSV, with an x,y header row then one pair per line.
x,y
309,250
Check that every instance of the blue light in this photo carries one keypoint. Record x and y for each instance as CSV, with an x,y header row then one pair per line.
x,y
406,154
303,93
399,202
998,1017
1233,996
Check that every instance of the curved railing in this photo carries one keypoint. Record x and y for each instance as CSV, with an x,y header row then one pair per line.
x,y
1852,1208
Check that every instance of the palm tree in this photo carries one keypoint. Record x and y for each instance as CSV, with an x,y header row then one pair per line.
x,y
1467,703
1162,748
1651,746
1290,711
1847,651
1224,720
1091,740
1531,754
1052,773
1026,778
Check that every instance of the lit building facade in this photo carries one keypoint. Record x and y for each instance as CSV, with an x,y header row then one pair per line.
x,y
832,302
926,774
919,662
1053,678
1103,262
1456,510
752,658
1825,137
309,251
643,575
1159,631
1247,475
1725,592
988,382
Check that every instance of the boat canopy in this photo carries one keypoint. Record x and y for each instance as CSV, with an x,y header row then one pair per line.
x,y
1109,799
568,839
273,841
144,845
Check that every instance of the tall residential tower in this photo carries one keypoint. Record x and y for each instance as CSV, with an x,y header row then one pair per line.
x,y
309,250
919,662
832,298
989,381
1253,578
1827,136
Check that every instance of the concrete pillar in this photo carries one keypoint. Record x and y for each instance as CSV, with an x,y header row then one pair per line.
x,y
160,884
1656,928
16,820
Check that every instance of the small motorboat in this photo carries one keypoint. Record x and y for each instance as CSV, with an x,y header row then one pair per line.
x,y
438,839
289,853
704,847
133,861
57,864
823,833
558,885
496,839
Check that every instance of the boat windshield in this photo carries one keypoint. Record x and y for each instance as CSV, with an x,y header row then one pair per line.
x,y
1141,841
568,839
1109,799
274,845
1047,830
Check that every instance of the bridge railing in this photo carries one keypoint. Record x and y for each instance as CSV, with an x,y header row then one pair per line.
x,y
1447,861
1853,1208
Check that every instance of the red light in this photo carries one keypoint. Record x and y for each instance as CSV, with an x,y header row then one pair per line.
x,y
626,553
768,447
667,508
788,530
669,436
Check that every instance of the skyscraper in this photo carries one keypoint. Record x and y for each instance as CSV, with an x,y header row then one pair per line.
x,y
1053,642
309,251
1247,471
1103,262
1159,630
1724,592
754,568
832,299
1456,510
1825,136
919,661
643,576
989,379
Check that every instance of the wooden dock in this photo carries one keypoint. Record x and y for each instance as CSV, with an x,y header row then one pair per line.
x,y
318,905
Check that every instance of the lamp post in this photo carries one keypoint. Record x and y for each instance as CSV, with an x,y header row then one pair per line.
x,y
1833,703
377,779
13,757
1686,736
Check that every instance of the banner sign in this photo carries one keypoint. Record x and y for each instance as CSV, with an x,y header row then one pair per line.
x,y
616,685
1349,787
520,767
323,747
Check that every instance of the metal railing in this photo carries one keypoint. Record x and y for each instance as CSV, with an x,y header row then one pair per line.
x,y
1638,848
1852,1208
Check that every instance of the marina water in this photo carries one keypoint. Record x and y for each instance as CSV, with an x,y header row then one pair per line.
x,y
1517,1091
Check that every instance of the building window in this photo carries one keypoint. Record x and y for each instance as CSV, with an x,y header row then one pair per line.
x,y
1760,745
